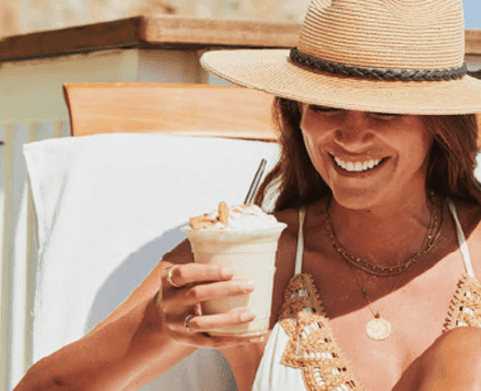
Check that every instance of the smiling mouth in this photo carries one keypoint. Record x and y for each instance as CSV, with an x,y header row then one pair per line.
x,y
357,166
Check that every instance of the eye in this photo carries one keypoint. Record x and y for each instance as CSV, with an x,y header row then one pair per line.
x,y
385,116
323,109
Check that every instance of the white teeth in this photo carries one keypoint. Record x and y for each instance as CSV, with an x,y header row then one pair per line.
x,y
357,166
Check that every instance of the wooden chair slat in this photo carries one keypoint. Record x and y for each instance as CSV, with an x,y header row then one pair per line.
x,y
186,109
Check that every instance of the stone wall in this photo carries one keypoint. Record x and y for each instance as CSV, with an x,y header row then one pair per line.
x,y
25,16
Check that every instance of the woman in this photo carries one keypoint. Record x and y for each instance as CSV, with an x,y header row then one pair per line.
x,y
376,185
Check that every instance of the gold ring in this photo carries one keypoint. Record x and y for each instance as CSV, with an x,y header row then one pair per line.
x,y
169,271
186,326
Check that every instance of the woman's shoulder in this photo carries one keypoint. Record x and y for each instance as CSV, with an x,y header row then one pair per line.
x,y
469,214
290,216
312,222
289,236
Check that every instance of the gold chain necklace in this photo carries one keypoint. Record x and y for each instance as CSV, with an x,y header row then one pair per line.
x,y
379,328
433,232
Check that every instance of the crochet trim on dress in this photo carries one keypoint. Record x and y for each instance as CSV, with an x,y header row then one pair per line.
x,y
311,345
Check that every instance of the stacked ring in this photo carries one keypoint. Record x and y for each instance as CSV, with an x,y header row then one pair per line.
x,y
186,326
169,271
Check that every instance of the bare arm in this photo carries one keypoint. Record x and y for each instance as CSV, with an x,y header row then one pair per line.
x,y
139,340
125,348
107,360
451,363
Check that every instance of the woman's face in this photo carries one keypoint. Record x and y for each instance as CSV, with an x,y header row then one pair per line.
x,y
367,158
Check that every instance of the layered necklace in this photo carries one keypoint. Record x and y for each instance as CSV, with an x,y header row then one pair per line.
x,y
379,328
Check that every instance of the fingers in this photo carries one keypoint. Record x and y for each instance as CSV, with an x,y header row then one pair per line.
x,y
207,292
238,316
185,287
191,273
180,301
194,330
195,281
206,341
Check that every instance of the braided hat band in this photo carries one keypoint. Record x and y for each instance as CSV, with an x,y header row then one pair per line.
x,y
392,56
377,74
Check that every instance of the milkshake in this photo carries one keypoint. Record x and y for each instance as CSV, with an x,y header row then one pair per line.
x,y
245,238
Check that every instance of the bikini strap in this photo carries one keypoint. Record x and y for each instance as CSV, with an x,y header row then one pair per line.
x,y
463,246
300,241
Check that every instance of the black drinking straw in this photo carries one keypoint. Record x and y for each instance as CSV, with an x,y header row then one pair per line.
x,y
255,182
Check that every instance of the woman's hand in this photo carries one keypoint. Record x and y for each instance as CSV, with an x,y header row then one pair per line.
x,y
451,363
184,287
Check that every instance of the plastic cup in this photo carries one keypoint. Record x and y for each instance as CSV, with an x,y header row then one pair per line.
x,y
252,256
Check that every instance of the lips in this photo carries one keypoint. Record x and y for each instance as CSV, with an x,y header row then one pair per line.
x,y
357,166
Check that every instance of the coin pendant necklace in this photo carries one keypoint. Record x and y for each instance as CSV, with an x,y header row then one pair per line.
x,y
378,328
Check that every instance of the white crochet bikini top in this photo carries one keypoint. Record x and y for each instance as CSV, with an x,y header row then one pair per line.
x,y
301,353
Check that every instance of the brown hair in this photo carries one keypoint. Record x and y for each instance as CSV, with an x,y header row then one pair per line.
x,y
450,171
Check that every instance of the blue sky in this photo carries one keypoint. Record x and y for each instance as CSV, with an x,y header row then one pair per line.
x,y
472,13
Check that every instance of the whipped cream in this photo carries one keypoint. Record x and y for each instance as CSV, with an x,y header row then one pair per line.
x,y
234,218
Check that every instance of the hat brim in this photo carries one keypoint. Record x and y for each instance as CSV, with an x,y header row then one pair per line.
x,y
270,70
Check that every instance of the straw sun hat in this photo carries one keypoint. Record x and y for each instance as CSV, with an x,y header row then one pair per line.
x,y
392,56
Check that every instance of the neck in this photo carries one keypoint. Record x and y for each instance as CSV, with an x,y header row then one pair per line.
x,y
384,235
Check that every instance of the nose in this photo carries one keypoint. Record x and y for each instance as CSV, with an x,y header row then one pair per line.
x,y
354,129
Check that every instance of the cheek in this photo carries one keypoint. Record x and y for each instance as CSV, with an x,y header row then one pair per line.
x,y
318,158
309,142
314,131
310,147
424,144
415,150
